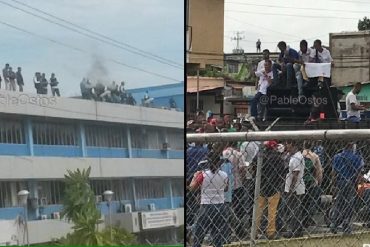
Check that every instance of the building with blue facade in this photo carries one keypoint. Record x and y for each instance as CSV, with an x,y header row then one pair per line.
x,y
137,152
162,95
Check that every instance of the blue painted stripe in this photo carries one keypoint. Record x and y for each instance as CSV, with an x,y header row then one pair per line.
x,y
10,213
57,150
148,153
176,154
14,149
107,152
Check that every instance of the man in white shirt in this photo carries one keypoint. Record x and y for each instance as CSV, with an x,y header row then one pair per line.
x,y
322,55
294,190
353,108
265,80
261,64
305,56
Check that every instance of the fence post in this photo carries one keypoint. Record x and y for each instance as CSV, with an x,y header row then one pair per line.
x,y
256,195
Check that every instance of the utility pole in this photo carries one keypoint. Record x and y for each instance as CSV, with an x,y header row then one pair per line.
x,y
238,38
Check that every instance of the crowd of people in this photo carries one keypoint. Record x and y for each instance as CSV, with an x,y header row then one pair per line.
x,y
13,79
41,84
220,181
289,72
112,93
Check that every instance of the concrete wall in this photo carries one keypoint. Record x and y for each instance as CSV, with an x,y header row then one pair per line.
x,y
26,167
68,108
206,17
351,54
209,104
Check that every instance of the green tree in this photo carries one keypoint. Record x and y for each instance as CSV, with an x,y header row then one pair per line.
x,y
364,24
79,207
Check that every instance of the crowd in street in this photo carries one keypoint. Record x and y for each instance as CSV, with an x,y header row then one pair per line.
x,y
221,181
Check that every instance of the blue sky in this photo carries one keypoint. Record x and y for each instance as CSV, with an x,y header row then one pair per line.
x,y
155,26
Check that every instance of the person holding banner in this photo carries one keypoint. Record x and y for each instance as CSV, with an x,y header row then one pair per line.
x,y
306,55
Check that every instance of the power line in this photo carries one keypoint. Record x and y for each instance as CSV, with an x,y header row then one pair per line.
x,y
286,7
91,36
292,15
251,24
96,33
83,51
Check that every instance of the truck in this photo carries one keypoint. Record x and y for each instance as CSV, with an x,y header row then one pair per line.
x,y
351,54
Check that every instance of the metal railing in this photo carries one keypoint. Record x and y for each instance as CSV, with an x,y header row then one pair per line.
x,y
314,185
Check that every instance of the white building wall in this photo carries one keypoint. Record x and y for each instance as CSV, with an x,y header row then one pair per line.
x,y
26,167
80,109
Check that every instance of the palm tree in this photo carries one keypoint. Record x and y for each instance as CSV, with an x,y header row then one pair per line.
x,y
80,208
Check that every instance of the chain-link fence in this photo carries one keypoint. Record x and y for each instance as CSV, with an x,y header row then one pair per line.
x,y
283,188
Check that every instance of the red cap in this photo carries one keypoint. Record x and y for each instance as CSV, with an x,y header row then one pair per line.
x,y
271,144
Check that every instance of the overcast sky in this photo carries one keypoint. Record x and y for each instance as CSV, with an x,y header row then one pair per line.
x,y
155,26
290,20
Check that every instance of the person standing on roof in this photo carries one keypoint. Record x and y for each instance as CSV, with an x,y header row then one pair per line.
x,y
19,78
54,85
258,45
12,77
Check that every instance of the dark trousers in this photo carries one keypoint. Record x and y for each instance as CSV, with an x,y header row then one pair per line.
x,y
55,91
242,205
212,218
343,205
290,74
292,212
256,103
311,202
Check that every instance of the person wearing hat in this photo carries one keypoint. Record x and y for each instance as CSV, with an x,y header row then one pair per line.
x,y
272,180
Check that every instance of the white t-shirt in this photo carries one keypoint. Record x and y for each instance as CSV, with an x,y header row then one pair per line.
x,y
296,163
263,83
351,98
308,56
324,56
261,65
213,187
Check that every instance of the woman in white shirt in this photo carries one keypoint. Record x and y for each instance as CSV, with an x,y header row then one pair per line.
x,y
211,217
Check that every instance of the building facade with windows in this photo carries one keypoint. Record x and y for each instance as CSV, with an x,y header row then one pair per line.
x,y
137,152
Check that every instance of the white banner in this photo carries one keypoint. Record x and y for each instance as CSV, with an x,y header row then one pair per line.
x,y
318,69
158,219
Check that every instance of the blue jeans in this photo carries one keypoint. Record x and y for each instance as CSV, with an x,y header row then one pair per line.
x,y
299,77
212,217
343,205
289,73
354,119
254,104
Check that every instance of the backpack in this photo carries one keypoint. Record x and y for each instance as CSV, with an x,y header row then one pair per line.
x,y
309,168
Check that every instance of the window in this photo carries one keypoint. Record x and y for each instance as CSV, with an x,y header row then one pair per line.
x,y
149,188
177,187
54,134
51,191
11,131
233,68
106,136
156,138
175,139
139,137
5,195
121,187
